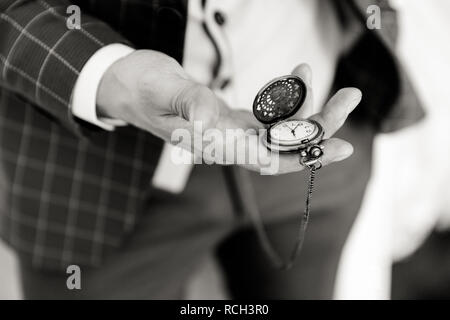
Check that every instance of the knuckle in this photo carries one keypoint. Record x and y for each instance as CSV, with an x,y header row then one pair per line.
x,y
184,100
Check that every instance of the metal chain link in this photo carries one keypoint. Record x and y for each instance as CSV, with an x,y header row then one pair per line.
x,y
264,238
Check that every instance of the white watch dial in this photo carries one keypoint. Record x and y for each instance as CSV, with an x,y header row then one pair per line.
x,y
291,131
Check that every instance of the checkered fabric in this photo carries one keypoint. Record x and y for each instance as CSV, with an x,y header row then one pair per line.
x,y
69,192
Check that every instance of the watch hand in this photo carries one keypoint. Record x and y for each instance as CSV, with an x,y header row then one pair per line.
x,y
293,130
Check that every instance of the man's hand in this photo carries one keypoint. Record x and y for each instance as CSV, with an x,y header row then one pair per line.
x,y
151,91
332,116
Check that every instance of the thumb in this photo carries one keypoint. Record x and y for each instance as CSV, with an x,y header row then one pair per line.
x,y
198,104
195,109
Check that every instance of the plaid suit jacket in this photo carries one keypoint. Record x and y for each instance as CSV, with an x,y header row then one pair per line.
x,y
69,192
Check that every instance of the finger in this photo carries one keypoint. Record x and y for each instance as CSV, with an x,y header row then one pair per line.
x,y
277,164
335,150
337,110
195,109
304,72
203,107
198,105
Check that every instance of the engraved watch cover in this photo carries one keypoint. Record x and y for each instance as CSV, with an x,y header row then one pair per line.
x,y
279,99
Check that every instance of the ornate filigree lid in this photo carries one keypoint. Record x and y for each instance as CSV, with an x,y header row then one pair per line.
x,y
279,99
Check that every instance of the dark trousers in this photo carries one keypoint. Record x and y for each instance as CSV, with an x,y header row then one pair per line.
x,y
176,232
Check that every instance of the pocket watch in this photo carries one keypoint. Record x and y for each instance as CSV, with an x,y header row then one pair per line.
x,y
274,105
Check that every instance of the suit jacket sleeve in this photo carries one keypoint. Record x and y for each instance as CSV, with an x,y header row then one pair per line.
x,y
41,58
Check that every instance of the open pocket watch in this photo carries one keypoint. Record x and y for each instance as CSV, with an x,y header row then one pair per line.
x,y
274,104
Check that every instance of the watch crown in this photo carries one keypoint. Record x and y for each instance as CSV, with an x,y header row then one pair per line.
x,y
316,151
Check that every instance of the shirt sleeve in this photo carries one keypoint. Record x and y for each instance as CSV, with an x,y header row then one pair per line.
x,y
83,103
41,58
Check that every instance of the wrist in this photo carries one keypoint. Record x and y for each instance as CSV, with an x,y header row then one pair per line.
x,y
112,95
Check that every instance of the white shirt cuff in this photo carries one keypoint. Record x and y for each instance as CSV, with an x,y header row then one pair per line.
x,y
83,104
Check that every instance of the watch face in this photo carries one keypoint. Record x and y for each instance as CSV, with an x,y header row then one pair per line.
x,y
293,135
292,132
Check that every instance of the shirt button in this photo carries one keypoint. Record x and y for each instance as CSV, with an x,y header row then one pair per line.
x,y
225,83
220,18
